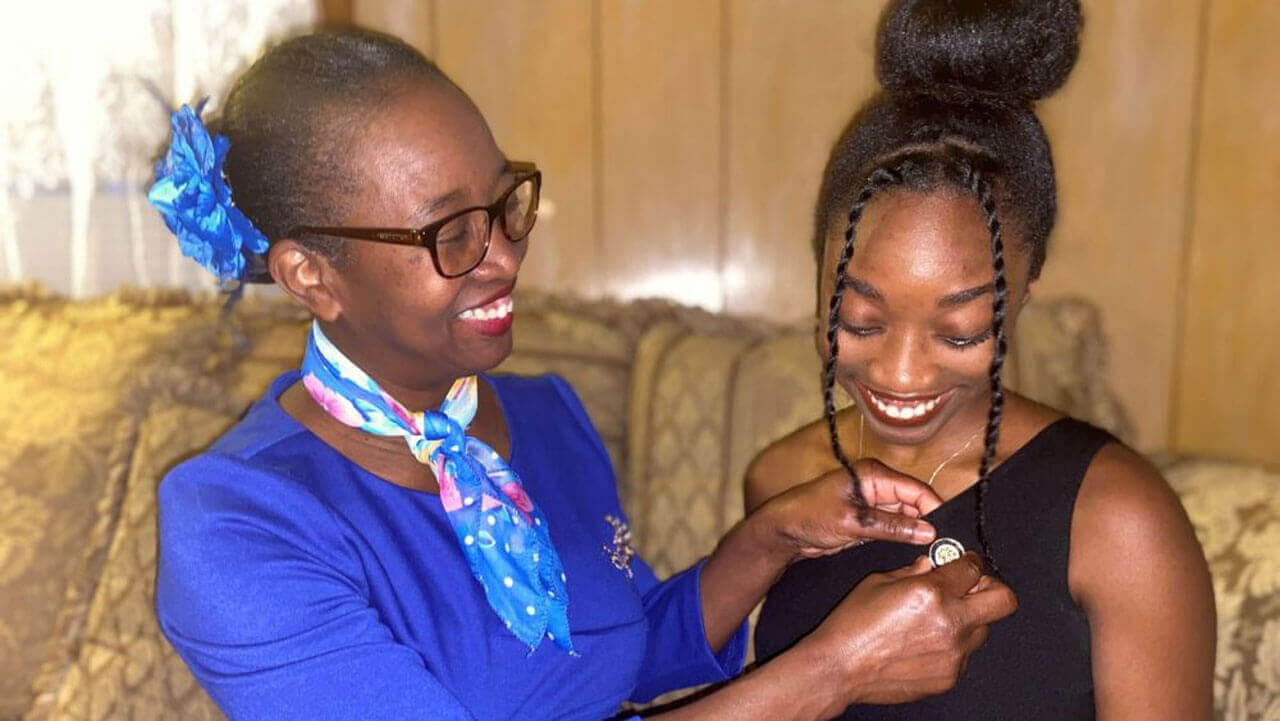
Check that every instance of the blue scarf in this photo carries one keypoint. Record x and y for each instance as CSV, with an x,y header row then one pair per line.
x,y
502,534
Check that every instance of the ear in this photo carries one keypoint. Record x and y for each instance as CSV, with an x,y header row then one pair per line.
x,y
307,276
1026,295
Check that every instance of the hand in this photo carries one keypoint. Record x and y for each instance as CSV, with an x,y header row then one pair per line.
x,y
821,517
906,634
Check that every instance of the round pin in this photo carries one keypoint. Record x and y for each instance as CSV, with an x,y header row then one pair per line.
x,y
944,551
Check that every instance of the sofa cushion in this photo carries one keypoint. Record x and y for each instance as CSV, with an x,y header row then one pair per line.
x,y
125,669
1236,512
69,435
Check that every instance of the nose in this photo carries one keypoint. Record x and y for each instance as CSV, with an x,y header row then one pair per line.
x,y
503,259
902,364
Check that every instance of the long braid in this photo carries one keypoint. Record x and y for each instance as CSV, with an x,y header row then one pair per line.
x,y
981,188
915,170
879,179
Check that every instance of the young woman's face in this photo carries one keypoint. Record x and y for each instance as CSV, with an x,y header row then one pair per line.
x,y
426,154
915,343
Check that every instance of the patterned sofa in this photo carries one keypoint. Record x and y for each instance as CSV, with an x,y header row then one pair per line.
x,y
98,398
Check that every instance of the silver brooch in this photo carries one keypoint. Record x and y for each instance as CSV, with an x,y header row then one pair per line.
x,y
619,550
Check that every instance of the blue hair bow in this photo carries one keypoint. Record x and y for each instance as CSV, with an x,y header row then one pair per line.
x,y
195,201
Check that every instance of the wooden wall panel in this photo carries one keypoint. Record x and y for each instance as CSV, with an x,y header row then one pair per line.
x,y
409,20
683,142
797,69
1121,134
1228,385
659,165
528,66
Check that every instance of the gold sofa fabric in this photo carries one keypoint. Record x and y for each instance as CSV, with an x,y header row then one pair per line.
x,y
125,670
683,398
1236,512
69,421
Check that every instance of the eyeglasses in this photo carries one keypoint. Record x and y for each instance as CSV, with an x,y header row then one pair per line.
x,y
459,242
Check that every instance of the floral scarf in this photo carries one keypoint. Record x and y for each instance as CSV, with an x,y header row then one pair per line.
x,y
502,534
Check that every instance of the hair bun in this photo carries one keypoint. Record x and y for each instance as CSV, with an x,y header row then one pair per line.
x,y
995,50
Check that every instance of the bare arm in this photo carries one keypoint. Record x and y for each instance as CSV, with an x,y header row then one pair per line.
x,y
1140,575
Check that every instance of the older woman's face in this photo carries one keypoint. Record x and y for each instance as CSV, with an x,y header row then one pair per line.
x,y
425,154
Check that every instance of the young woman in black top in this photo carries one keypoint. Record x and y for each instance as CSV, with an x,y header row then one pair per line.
x,y
931,229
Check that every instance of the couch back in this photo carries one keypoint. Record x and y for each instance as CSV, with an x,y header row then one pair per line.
x,y
101,397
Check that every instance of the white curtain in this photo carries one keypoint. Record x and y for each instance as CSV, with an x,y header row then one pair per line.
x,y
86,90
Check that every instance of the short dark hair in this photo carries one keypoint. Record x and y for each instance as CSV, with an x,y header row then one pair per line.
x,y
291,114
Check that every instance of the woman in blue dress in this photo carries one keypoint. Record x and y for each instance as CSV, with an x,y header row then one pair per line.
x,y
390,533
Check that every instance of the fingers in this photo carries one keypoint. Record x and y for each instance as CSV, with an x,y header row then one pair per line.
x,y
885,526
974,639
884,486
919,567
960,576
991,604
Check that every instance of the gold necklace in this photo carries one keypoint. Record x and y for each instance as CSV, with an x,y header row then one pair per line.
x,y
862,421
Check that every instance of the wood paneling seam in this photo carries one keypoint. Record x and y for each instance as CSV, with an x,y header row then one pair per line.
x,y
1182,288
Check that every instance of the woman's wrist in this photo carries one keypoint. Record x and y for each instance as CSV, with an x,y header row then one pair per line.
x,y
822,676
829,672
768,535
801,684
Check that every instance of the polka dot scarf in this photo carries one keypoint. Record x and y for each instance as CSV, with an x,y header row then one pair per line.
x,y
502,534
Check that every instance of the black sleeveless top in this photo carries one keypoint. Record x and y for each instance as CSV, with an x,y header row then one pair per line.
x,y
1035,664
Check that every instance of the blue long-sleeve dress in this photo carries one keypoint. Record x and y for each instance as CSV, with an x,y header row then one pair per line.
x,y
296,585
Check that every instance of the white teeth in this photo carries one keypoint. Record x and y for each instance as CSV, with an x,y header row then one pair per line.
x,y
903,411
500,308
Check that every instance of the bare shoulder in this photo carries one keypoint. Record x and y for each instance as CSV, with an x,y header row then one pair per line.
x,y
1128,519
801,455
1140,576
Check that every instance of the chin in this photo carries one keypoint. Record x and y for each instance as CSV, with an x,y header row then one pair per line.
x,y
489,354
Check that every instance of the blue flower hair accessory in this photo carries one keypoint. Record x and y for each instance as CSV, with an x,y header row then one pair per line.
x,y
193,197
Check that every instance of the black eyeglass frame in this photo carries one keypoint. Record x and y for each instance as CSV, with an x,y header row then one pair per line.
x,y
425,237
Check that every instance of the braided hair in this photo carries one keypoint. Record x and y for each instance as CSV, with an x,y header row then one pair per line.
x,y
959,78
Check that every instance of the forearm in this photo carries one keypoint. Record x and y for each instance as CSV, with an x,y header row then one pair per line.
x,y
798,685
737,575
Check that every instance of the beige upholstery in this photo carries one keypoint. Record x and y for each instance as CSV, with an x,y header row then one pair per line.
x,y
100,398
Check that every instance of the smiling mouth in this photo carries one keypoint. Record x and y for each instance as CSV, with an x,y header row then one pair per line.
x,y
493,310
492,318
914,411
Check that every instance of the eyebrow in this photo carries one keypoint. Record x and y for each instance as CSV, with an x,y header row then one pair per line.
x,y
431,205
863,288
964,296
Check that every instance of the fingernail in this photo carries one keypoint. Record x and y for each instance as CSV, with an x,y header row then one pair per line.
x,y
923,533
